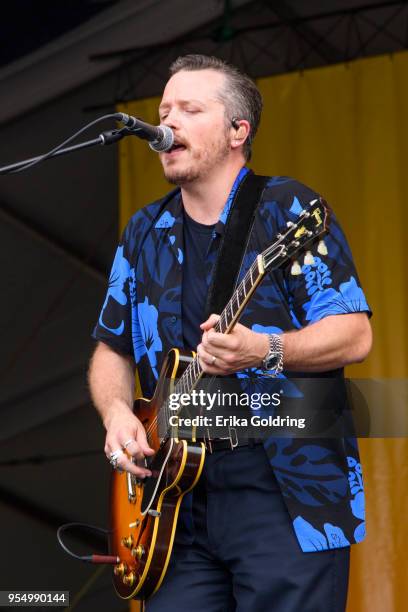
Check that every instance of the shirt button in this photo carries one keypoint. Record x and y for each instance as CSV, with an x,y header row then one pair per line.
x,y
173,319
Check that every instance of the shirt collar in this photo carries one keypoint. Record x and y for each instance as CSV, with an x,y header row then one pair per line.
x,y
220,225
173,211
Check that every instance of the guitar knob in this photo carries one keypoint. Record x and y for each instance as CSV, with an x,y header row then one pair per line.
x,y
120,569
127,542
296,269
129,579
322,248
138,552
309,259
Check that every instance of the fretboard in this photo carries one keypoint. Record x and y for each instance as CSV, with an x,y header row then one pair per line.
x,y
228,318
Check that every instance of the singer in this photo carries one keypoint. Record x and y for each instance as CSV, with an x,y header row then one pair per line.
x,y
268,527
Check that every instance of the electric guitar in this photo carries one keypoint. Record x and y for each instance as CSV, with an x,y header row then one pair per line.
x,y
144,512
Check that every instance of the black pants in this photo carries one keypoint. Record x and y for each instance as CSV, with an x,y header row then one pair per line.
x,y
245,557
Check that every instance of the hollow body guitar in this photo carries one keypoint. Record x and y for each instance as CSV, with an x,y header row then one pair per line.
x,y
144,513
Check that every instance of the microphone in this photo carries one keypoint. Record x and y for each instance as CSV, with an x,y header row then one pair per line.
x,y
159,137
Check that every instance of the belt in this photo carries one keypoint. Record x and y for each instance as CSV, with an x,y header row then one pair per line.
x,y
230,442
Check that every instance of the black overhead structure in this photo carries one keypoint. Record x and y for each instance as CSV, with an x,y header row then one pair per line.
x,y
267,37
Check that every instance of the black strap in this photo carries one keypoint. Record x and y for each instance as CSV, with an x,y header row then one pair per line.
x,y
234,241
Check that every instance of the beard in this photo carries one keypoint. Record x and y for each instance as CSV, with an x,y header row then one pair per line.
x,y
201,163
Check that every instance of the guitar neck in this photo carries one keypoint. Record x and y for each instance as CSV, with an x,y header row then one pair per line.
x,y
228,318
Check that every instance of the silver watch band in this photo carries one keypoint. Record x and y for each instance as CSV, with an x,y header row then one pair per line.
x,y
276,353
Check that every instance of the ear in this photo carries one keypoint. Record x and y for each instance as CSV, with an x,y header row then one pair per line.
x,y
240,133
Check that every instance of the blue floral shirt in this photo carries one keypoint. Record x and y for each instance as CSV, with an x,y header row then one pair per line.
x,y
320,479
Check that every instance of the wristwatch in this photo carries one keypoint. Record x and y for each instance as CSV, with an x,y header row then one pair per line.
x,y
272,363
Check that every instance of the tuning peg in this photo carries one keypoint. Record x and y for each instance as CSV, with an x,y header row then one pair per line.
x,y
322,248
309,259
296,269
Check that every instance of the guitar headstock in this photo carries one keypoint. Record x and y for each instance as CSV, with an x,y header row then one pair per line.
x,y
312,223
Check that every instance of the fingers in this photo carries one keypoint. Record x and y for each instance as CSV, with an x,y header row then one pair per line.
x,y
211,364
128,444
215,342
124,461
134,464
231,352
210,322
138,449
215,350
140,442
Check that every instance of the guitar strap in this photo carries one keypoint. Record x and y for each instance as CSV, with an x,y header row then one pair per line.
x,y
234,242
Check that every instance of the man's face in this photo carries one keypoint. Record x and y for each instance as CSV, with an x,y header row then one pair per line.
x,y
190,106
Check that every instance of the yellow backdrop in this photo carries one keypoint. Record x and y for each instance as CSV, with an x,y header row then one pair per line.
x,y
344,131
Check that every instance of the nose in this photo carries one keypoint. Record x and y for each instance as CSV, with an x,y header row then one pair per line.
x,y
172,119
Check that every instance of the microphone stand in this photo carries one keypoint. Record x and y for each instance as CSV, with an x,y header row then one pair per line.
x,y
105,138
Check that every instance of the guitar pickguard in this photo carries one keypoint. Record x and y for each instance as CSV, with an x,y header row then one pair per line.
x,y
157,465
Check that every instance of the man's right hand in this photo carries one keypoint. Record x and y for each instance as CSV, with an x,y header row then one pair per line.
x,y
111,382
125,432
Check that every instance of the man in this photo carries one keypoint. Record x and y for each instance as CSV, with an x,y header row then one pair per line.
x,y
246,529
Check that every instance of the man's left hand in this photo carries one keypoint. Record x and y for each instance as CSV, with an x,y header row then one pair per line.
x,y
222,354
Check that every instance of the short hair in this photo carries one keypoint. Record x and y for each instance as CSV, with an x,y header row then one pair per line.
x,y
240,96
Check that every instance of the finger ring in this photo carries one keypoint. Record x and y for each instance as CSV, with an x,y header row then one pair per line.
x,y
126,444
114,462
214,359
114,457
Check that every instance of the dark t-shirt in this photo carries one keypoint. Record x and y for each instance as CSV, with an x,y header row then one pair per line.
x,y
197,238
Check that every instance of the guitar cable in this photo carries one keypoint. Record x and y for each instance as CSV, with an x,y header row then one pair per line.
x,y
94,558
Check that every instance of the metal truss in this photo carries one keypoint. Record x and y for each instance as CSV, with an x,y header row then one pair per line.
x,y
267,37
